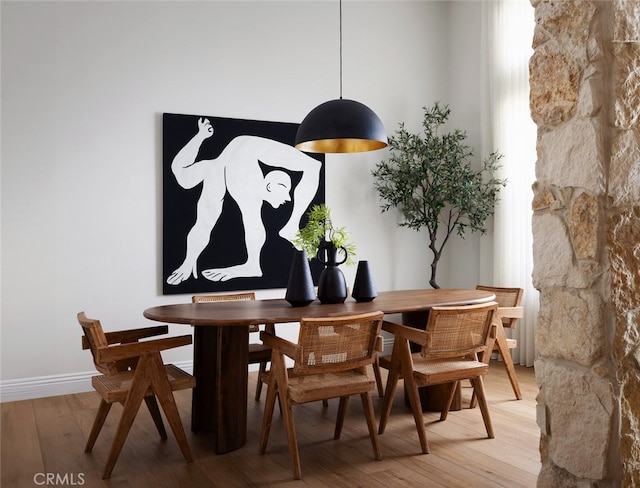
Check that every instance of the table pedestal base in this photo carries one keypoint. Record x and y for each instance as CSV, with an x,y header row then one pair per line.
x,y
220,356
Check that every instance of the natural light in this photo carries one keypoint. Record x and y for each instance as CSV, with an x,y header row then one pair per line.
x,y
507,35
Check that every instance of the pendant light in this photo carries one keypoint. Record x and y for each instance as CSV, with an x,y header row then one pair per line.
x,y
341,125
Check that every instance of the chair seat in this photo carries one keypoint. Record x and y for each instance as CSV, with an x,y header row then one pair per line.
x,y
439,371
310,388
115,388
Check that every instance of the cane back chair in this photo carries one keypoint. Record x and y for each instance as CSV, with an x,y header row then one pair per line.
x,y
330,361
133,371
450,345
509,311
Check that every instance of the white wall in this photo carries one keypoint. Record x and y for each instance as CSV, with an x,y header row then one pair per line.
x,y
84,85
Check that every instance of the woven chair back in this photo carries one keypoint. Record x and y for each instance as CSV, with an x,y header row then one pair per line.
x,y
230,297
337,344
458,331
506,297
96,338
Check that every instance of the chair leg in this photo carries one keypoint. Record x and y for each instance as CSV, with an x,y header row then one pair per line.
x,y
376,373
290,428
267,417
342,413
503,349
447,406
136,394
390,391
367,406
478,387
261,372
163,392
152,405
101,416
414,399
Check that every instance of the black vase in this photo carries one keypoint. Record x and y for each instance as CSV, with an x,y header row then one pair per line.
x,y
363,288
332,287
300,285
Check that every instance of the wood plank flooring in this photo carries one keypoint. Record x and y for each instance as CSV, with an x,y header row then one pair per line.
x,y
46,437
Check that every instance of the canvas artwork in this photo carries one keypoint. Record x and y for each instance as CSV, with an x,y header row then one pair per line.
x,y
235,192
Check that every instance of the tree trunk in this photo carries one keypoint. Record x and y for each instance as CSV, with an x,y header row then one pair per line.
x,y
434,268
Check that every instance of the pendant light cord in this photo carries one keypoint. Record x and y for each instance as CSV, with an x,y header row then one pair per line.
x,y
340,49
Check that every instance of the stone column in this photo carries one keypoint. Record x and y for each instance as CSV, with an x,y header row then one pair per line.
x,y
585,99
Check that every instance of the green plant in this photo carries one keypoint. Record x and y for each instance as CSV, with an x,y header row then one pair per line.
x,y
320,228
430,180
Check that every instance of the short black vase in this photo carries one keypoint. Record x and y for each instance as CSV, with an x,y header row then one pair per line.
x,y
300,285
363,288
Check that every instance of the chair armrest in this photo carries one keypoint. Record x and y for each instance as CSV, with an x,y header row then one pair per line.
x,y
510,312
132,335
282,345
414,335
137,349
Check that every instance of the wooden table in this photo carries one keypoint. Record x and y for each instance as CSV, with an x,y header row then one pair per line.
x,y
221,337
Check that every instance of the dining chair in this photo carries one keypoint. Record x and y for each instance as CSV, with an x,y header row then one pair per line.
x,y
259,353
133,371
509,311
450,345
329,361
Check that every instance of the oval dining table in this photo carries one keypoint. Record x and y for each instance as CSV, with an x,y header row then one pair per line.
x,y
221,338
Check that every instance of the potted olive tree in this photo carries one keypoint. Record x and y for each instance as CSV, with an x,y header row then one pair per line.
x,y
429,178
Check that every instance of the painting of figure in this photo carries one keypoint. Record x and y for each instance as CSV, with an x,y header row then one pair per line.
x,y
235,192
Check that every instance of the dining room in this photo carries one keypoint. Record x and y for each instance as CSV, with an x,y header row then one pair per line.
x,y
85,87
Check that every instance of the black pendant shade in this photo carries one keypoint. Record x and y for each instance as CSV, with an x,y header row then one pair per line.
x,y
341,126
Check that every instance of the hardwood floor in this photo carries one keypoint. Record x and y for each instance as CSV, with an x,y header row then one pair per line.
x,y
46,437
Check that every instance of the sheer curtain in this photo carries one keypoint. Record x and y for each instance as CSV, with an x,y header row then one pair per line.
x,y
507,126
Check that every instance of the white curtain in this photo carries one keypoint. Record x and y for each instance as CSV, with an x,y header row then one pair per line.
x,y
507,36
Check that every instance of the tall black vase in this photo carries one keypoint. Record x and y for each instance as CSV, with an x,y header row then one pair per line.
x,y
363,288
300,285
332,286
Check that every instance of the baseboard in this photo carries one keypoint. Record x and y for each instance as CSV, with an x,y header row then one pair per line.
x,y
64,384
387,348
67,384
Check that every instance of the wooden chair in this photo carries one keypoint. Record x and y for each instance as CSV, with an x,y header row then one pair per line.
x,y
450,344
509,311
133,371
258,353
330,361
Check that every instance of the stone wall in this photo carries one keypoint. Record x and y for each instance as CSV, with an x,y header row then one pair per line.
x,y
585,99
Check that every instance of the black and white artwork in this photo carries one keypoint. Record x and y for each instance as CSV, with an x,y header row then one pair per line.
x,y
235,192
